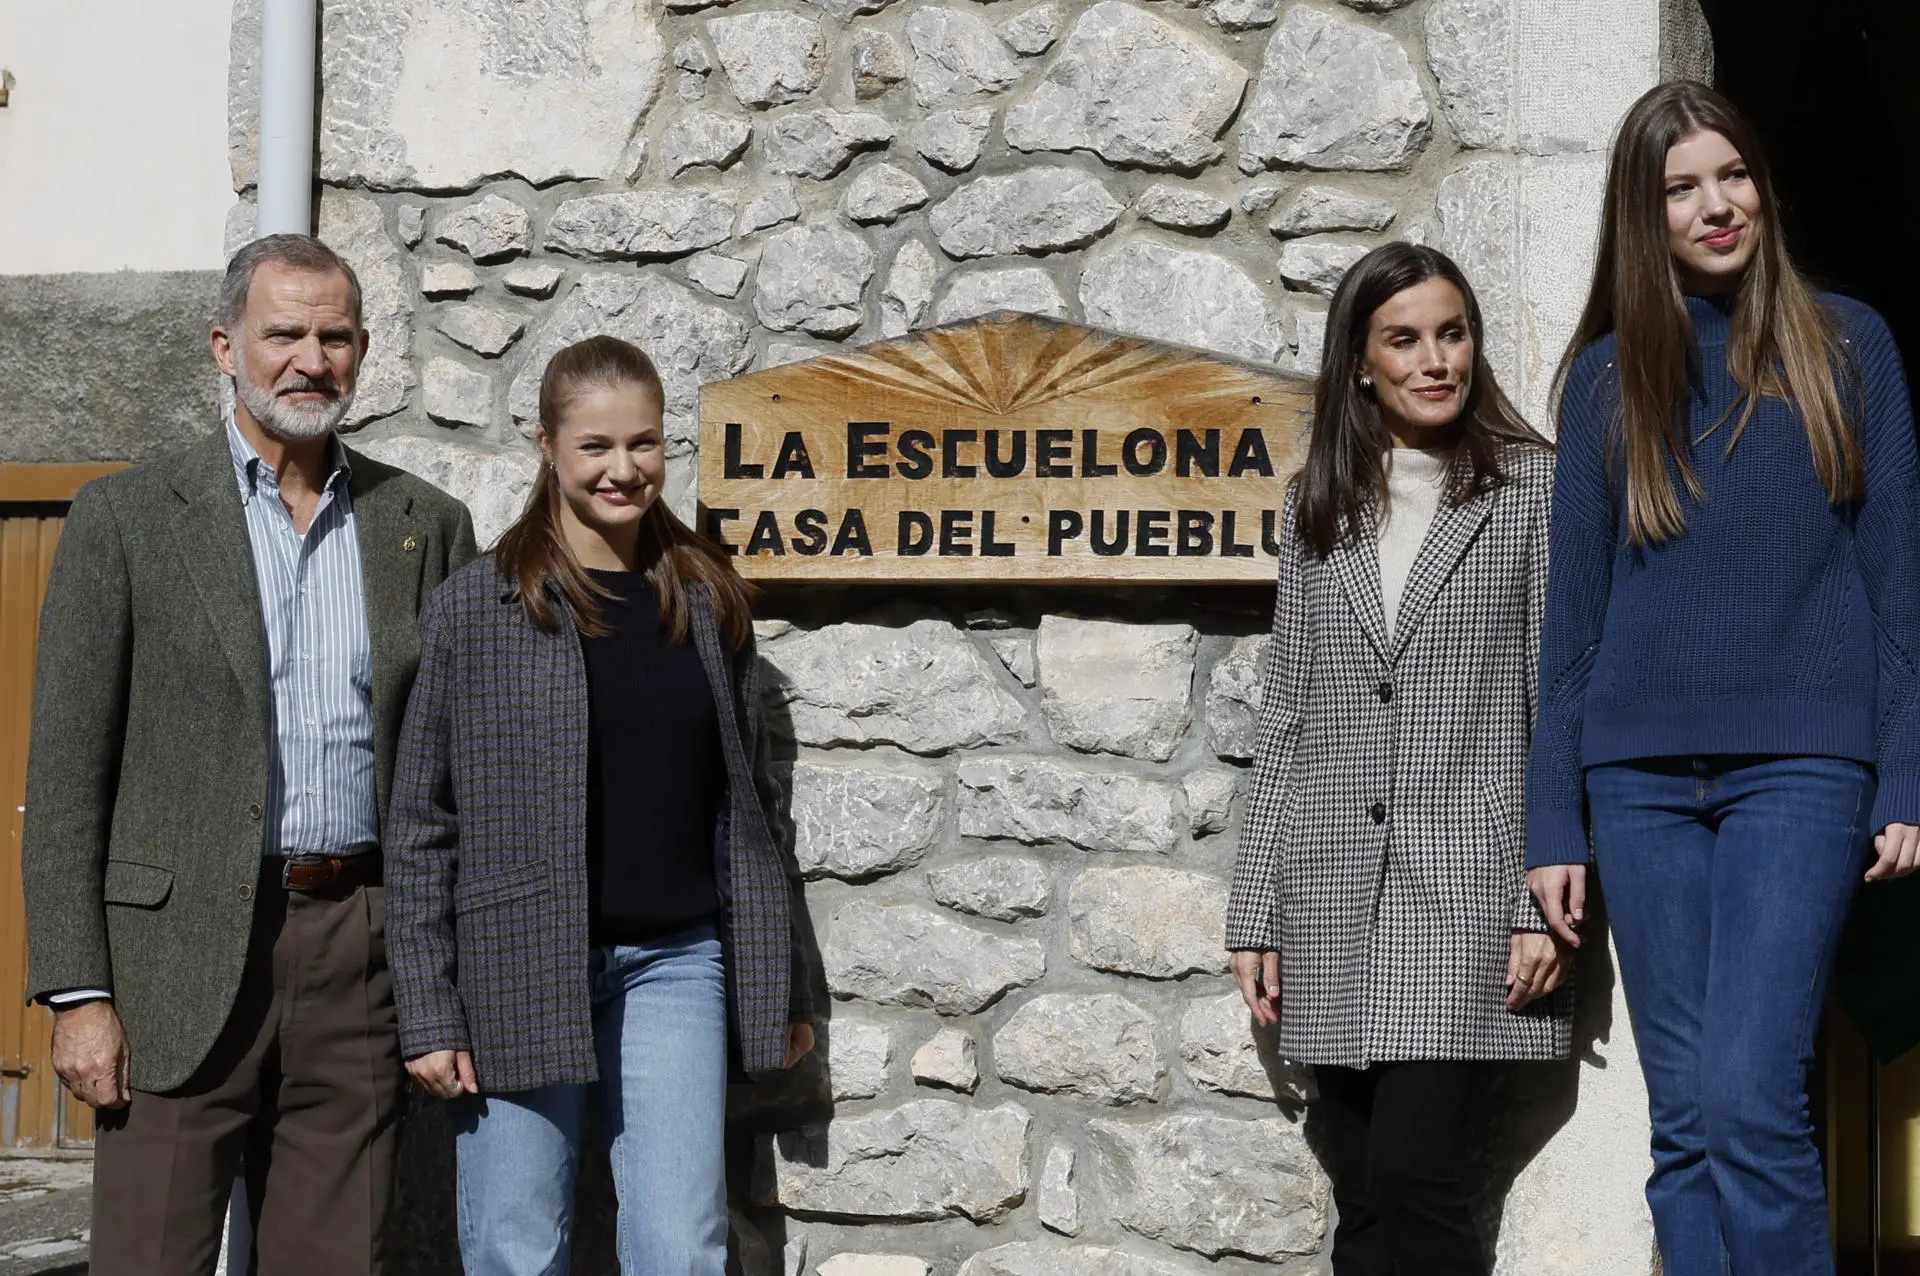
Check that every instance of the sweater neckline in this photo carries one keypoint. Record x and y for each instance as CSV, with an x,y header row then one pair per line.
x,y
1712,318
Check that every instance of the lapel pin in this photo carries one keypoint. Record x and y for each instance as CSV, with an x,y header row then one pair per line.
x,y
410,545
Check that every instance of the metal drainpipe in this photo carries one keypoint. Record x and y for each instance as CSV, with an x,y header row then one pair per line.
x,y
288,32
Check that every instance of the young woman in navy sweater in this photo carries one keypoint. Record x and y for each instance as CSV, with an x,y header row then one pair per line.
x,y
1729,699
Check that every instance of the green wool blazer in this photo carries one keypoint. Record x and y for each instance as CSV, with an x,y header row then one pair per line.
x,y
148,769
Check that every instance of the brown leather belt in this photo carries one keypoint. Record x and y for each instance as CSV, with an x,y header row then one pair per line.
x,y
324,872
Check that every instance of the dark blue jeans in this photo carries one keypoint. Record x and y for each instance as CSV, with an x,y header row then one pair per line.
x,y
1727,882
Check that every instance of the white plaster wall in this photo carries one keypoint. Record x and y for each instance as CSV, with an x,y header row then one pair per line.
x,y
113,148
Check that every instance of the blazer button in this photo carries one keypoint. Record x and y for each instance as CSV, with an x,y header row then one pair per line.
x,y
246,892
253,812
1379,812
1384,691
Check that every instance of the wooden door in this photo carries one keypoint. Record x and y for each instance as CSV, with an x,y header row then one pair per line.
x,y
35,1112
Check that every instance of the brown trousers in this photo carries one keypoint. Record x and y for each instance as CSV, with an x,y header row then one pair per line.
x,y
305,1082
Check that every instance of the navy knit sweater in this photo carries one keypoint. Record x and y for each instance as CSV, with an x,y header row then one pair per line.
x,y
1776,623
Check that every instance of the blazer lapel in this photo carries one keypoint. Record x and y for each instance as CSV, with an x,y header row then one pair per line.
x,y
210,533
1356,564
1454,528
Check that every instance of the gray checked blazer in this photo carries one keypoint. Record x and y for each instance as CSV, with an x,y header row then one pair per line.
x,y
487,857
1383,850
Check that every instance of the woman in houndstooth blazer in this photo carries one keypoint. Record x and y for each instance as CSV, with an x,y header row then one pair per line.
x,y
1379,909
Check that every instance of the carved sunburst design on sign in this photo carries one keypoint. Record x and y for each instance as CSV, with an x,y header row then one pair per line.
x,y
1011,362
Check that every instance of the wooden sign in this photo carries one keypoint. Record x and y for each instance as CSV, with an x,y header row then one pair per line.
x,y
1007,449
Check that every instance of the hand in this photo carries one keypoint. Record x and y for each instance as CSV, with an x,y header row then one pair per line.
x,y
1561,890
1257,971
90,1054
799,1042
1536,965
444,1074
1898,849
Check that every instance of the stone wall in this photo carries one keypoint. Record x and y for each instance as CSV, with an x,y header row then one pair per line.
x,y
1016,810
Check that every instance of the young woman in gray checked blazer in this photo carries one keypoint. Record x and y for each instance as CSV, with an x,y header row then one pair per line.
x,y
1380,912
585,886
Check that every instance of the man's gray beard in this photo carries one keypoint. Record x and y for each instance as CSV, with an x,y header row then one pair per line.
x,y
288,422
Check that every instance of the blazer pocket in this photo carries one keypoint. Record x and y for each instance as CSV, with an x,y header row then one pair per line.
x,y
136,885
495,889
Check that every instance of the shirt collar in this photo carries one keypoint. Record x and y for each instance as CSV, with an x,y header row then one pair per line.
x,y
248,466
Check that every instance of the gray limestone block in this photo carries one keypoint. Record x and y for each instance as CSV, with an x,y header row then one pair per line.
x,y
949,1059
881,193
908,955
1333,93
482,329
1318,265
410,221
859,1053
1005,888
533,280
1223,1050
812,277
955,53
1478,211
909,287
709,139
1058,1196
879,62
1016,650
851,1264
1469,51
1038,800
770,57
1028,289
925,1160
491,229
563,87
441,280
857,821
1039,209
1053,1258
952,139
454,394
1159,923
1215,1185
1233,698
1117,687
1035,31
492,482
646,225
1182,208
1133,88
1243,15
1210,793
689,340
922,686
776,204
1099,1047
719,274
1189,297
818,144
1316,209
356,228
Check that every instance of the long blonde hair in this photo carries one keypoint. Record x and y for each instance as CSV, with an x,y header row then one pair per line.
x,y
1784,344
533,554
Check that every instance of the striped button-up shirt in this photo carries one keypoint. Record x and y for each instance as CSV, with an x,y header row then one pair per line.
x,y
319,661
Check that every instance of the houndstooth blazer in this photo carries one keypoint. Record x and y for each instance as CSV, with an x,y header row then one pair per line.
x,y
487,860
1383,849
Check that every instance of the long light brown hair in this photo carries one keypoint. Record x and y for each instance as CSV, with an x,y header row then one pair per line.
x,y
1345,474
533,555
1783,343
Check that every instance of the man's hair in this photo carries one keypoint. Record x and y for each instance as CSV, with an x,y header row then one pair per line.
x,y
297,252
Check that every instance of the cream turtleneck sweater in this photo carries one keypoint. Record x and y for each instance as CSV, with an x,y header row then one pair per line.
x,y
1416,479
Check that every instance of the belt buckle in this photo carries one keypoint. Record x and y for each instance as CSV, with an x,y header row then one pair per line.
x,y
286,873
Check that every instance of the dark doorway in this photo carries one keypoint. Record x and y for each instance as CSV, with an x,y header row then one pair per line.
x,y
1832,87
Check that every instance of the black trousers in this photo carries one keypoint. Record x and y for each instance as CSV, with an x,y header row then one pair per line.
x,y
1394,1136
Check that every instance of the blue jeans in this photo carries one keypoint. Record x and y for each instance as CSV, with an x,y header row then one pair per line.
x,y
660,1031
1727,882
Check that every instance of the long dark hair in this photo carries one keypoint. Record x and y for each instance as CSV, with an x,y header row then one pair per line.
x,y
1783,342
533,554
1345,476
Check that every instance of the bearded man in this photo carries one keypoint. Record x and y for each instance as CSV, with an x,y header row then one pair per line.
x,y
227,645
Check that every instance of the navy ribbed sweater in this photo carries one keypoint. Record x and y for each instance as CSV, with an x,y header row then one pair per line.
x,y
1775,623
